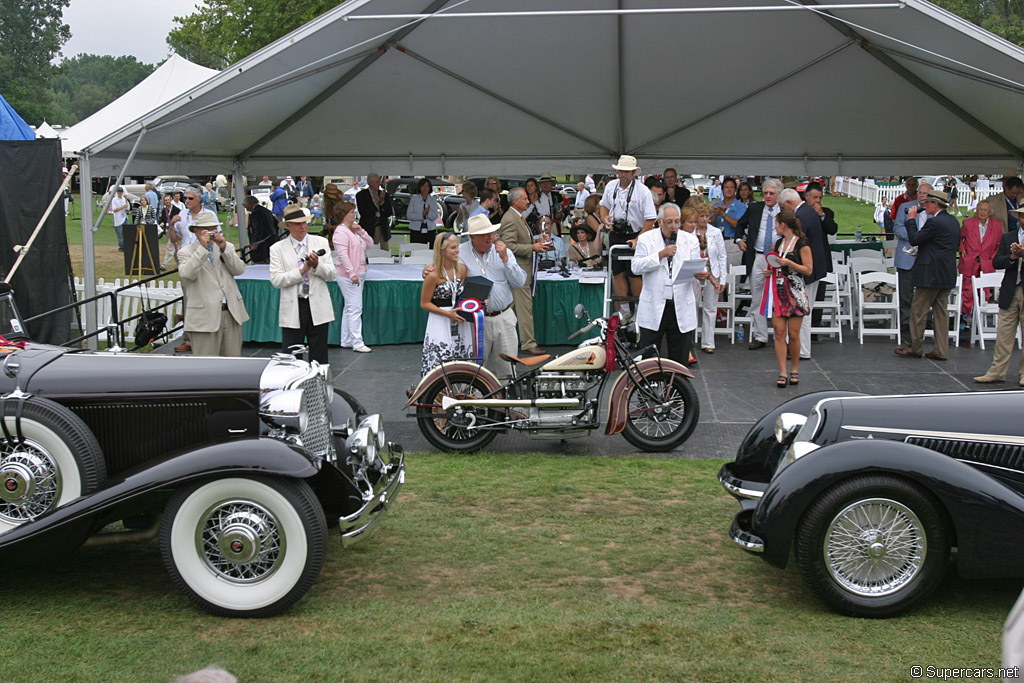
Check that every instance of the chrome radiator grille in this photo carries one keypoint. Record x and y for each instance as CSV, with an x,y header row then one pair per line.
x,y
1008,456
316,437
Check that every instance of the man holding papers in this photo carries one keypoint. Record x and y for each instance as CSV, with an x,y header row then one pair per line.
x,y
668,299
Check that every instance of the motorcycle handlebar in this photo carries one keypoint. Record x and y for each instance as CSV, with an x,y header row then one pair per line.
x,y
584,330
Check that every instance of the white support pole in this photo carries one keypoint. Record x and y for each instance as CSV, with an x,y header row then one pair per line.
x,y
88,247
238,188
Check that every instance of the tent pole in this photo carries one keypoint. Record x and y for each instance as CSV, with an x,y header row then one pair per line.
x,y
238,187
88,247
120,177
621,82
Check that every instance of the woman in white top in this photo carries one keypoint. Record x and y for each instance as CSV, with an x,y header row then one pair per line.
x,y
422,214
712,247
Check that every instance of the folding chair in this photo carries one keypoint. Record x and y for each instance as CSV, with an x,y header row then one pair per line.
x,y
881,309
985,318
830,305
739,294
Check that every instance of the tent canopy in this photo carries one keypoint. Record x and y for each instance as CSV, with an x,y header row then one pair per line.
x,y
45,130
742,86
175,76
12,126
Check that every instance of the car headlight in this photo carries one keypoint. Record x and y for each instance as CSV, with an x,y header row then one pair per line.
x,y
375,424
285,410
787,425
362,444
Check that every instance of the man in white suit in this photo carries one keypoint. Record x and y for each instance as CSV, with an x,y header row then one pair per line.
x,y
214,312
667,309
301,266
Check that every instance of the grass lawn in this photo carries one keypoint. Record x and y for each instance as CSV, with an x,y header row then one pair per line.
x,y
496,567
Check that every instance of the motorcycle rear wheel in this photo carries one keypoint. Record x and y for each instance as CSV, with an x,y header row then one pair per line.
x,y
447,432
648,428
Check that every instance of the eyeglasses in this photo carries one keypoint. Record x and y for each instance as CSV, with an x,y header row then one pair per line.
x,y
192,198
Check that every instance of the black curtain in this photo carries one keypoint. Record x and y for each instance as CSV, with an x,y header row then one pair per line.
x,y
30,174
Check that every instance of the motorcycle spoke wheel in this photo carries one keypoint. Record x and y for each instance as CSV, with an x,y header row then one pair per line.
x,y
446,430
664,424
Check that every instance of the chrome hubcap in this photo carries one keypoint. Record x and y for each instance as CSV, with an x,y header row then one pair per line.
x,y
875,547
240,541
29,483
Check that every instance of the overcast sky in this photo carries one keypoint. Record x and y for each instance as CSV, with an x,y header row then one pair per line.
x,y
122,27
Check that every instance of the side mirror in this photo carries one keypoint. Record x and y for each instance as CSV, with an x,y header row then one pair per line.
x,y
579,312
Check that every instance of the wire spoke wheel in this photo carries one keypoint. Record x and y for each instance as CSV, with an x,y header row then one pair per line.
x,y
663,414
453,429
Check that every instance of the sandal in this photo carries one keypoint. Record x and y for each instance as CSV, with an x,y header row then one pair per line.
x,y
781,382
708,349
794,378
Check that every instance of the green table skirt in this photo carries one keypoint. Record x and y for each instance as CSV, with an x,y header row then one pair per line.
x,y
392,313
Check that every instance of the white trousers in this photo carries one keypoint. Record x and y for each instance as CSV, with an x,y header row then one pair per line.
x,y
352,313
500,337
708,303
758,322
733,254
805,326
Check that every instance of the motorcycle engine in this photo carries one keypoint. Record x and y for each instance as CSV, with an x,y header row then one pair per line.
x,y
563,385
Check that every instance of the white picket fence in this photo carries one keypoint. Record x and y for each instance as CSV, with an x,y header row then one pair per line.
x,y
866,191
133,301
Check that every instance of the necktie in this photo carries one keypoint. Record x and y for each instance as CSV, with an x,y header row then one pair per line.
x,y
769,230
304,288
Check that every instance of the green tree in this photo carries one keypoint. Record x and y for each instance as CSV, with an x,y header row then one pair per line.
x,y
1005,18
31,33
221,32
85,84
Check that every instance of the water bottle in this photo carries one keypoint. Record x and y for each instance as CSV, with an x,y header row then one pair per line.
x,y
739,332
858,234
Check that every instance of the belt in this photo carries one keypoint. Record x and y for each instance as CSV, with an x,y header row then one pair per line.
x,y
491,315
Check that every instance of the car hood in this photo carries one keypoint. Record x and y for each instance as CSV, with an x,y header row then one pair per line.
x,y
973,415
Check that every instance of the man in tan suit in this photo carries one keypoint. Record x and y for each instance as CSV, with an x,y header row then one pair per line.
x,y
215,311
517,237
1006,201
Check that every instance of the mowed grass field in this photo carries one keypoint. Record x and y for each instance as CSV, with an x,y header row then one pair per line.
x,y
496,567
110,262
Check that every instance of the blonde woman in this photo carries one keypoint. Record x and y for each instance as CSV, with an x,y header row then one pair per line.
x,y
448,336
350,244
712,248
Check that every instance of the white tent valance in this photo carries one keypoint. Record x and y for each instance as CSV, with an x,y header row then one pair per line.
x,y
780,87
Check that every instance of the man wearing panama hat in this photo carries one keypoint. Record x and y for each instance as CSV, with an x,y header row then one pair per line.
x,y
301,265
934,274
214,310
627,209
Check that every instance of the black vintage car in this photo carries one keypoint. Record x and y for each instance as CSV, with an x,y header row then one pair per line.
x,y
237,465
874,493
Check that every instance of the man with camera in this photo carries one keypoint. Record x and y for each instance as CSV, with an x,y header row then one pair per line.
x,y
214,310
627,209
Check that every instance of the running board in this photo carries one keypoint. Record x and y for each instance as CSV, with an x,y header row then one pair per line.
x,y
448,402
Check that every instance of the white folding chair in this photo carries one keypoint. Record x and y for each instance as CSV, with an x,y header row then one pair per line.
x,y
881,309
844,285
829,305
985,318
380,260
867,253
419,258
953,307
739,294
377,251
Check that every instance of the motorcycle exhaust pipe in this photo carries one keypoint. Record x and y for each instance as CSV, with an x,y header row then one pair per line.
x,y
449,402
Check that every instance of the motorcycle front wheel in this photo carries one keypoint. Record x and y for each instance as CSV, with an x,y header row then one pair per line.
x,y
448,431
663,424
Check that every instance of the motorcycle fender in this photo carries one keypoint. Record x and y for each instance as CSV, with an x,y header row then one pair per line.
x,y
486,376
618,396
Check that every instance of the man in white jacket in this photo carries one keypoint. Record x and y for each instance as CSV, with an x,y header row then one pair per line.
x,y
667,310
301,266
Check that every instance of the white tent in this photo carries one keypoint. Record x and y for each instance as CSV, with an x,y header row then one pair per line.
x,y
175,76
45,130
748,86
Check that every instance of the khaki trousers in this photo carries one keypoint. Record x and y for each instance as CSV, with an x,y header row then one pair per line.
x,y
1010,320
522,301
226,341
934,300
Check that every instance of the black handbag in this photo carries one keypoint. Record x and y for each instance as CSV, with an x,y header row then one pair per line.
x,y
150,326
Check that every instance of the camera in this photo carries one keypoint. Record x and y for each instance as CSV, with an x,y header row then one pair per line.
x,y
622,227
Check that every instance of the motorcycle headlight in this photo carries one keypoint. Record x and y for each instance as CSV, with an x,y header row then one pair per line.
x,y
285,410
376,426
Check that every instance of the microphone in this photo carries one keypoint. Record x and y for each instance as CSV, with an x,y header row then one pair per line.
x,y
671,239
318,252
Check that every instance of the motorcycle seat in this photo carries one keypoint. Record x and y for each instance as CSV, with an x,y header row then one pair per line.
x,y
529,361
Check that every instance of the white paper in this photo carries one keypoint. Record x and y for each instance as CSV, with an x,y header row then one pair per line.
x,y
687,270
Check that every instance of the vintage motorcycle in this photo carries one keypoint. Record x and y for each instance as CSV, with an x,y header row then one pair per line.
x,y
461,406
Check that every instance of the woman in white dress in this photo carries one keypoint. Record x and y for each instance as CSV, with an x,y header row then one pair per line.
x,y
448,336
712,247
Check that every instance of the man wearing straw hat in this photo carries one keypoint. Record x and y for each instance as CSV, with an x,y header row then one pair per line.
x,y
301,265
933,276
214,311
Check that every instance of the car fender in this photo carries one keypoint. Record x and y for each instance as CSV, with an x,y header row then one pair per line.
x,y
485,375
982,510
617,397
131,490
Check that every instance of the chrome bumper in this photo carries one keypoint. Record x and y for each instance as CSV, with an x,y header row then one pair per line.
x,y
739,488
741,534
361,522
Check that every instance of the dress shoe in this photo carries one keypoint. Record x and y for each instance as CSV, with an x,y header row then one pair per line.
x,y
756,344
988,379
906,353
184,346
931,355
362,349
535,351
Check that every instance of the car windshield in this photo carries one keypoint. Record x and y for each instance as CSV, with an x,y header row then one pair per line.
x,y
11,326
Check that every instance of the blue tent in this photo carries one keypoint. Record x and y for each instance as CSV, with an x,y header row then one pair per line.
x,y
12,126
